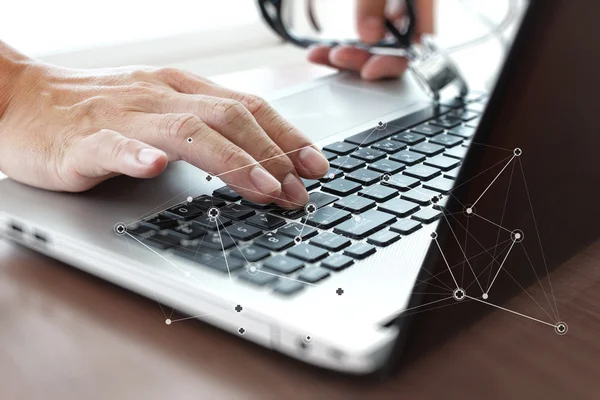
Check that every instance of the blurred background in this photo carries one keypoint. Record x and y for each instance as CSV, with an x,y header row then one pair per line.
x,y
219,37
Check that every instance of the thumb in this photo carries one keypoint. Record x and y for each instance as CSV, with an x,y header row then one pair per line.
x,y
108,152
370,20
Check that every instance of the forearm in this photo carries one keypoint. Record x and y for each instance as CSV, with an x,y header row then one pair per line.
x,y
12,64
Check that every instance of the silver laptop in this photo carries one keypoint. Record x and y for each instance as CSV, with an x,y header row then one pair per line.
x,y
320,284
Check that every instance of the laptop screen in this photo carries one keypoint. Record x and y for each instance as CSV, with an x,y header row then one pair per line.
x,y
524,201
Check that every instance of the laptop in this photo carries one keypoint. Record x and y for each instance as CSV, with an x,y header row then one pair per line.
x,y
421,200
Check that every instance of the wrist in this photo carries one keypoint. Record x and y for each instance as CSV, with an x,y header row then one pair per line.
x,y
12,64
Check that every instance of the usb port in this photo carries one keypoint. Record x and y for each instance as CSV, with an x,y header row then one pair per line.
x,y
40,237
16,228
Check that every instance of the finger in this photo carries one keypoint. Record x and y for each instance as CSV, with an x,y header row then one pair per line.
x,y
350,58
320,55
193,141
370,20
236,123
309,162
425,17
379,67
107,152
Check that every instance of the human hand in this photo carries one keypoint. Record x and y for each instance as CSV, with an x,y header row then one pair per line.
x,y
68,130
371,29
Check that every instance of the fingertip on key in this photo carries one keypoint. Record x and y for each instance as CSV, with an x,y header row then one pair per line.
x,y
314,161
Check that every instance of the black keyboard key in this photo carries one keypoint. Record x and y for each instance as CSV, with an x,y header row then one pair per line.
x,y
464,115
141,230
422,172
369,155
265,221
407,157
211,223
418,117
314,275
311,184
298,230
429,149
446,140
365,177
242,232
360,251
216,241
159,222
289,214
387,166
399,207
406,226
183,212
420,196
327,217
389,146
259,278
347,164
364,224
355,204
439,184
426,215
427,130
465,132
458,152
329,155
337,262
370,136
446,121
257,206
283,264
250,253
227,193
205,202
383,238
274,241
341,187
186,231
333,173
286,287
236,211
307,252
330,241
379,193
452,174
409,137
401,182
474,123
161,242
321,199
341,148
443,162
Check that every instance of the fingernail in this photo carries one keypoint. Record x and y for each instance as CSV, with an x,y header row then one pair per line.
x,y
149,156
264,181
294,190
314,161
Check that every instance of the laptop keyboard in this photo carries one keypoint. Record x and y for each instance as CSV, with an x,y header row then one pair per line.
x,y
381,186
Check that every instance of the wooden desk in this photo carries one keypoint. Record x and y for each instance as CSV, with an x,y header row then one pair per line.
x,y
68,335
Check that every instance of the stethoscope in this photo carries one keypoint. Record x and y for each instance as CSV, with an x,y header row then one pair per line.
x,y
433,70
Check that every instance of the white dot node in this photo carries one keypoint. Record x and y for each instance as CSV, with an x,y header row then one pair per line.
x,y
308,339
214,212
297,240
168,321
484,296
331,176
190,199
209,178
357,218
517,152
120,229
310,208
253,269
517,236
386,178
561,328
469,210
434,235
190,140
459,294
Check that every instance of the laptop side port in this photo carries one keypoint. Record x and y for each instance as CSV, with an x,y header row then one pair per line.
x,y
40,237
16,227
